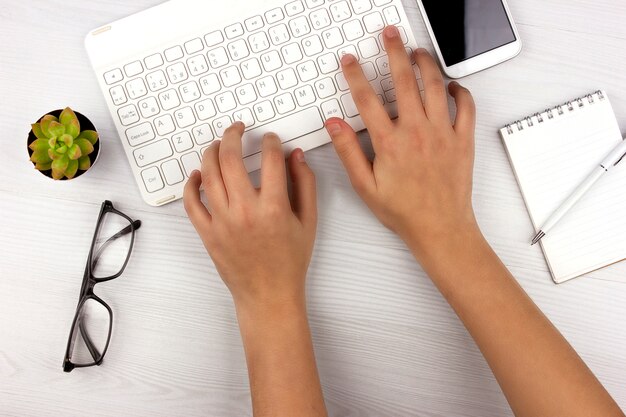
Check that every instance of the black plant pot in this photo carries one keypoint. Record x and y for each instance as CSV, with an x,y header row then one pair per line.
x,y
85,124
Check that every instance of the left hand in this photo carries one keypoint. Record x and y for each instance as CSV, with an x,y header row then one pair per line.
x,y
260,242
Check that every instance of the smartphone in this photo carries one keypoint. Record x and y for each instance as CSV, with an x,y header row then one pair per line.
x,y
470,35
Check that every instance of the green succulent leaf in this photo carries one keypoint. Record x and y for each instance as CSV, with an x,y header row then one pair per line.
x,y
56,129
52,142
61,149
54,155
60,165
73,128
90,135
84,163
72,168
74,152
67,139
85,146
67,116
40,156
45,124
36,128
43,166
39,144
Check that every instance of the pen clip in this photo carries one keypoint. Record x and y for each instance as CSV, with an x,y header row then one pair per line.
x,y
620,159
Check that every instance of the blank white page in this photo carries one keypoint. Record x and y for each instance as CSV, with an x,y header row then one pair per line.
x,y
550,159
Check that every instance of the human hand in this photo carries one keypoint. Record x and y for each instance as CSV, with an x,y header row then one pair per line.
x,y
420,182
260,242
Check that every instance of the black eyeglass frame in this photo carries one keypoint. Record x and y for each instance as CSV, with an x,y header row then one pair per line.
x,y
90,281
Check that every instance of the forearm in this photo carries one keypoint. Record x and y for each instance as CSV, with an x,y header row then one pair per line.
x,y
280,358
538,371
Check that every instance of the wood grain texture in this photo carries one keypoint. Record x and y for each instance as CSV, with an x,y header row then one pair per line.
x,y
387,343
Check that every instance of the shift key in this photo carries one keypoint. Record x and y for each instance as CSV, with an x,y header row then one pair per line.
x,y
153,153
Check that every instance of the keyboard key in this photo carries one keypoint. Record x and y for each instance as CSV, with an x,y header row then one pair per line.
x,y
220,125
210,84
287,78
251,68
314,3
245,94
113,76
205,109
153,61
132,69
139,134
230,76
369,71
312,45
299,26
387,84
271,61
320,19
182,141
341,82
152,179
202,134
172,172
390,96
353,30
349,106
177,73
238,50
173,53
264,111
213,38
266,86
373,22
164,124
189,92
194,45
152,153
347,49
136,88
331,108
383,65
297,124
284,103
340,11
128,115
279,34
304,95
291,53
325,87
225,101
379,3
328,63
156,80
254,23
361,6
197,65
245,116
118,96
332,38
274,15
307,71
217,57
233,30
184,117
259,42
191,162
149,107
169,99
294,8
368,48
391,15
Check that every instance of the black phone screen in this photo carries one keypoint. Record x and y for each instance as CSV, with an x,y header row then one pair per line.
x,y
467,28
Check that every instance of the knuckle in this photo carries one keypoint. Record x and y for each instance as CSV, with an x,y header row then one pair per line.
x,y
229,158
363,98
436,83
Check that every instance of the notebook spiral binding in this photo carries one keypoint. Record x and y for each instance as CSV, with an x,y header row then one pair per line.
x,y
553,112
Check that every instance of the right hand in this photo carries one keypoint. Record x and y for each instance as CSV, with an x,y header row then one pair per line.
x,y
420,182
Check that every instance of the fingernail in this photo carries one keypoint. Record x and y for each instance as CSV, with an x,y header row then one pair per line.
x,y
240,124
347,59
333,128
194,172
453,84
391,32
421,51
299,155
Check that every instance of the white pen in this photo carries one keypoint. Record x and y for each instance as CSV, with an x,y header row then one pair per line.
x,y
612,159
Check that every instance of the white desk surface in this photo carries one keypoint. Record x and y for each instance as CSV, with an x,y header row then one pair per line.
x,y
387,344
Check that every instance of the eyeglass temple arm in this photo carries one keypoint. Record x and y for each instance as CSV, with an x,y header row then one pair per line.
x,y
92,349
133,226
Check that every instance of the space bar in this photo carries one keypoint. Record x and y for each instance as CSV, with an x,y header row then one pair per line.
x,y
288,128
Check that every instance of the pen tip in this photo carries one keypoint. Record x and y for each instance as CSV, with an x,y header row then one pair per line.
x,y
537,237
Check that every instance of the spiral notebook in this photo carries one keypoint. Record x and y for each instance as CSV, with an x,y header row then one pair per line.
x,y
551,153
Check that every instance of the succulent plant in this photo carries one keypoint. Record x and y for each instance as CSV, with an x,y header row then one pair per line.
x,y
61,146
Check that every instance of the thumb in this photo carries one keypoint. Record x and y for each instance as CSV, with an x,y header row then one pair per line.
x,y
349,150
304,189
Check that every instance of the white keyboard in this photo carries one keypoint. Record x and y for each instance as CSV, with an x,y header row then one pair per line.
x,y
275,70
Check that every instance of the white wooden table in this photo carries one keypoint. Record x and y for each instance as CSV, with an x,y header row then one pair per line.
x,y
387,343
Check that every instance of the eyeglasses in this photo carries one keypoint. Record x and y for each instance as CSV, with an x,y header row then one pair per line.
x,y
110,251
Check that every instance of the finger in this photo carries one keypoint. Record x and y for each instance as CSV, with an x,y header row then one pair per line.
x,y
465,108
304,190
212,178
347,146
407,90
236,180
372,112
197,212
273,173
435,98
